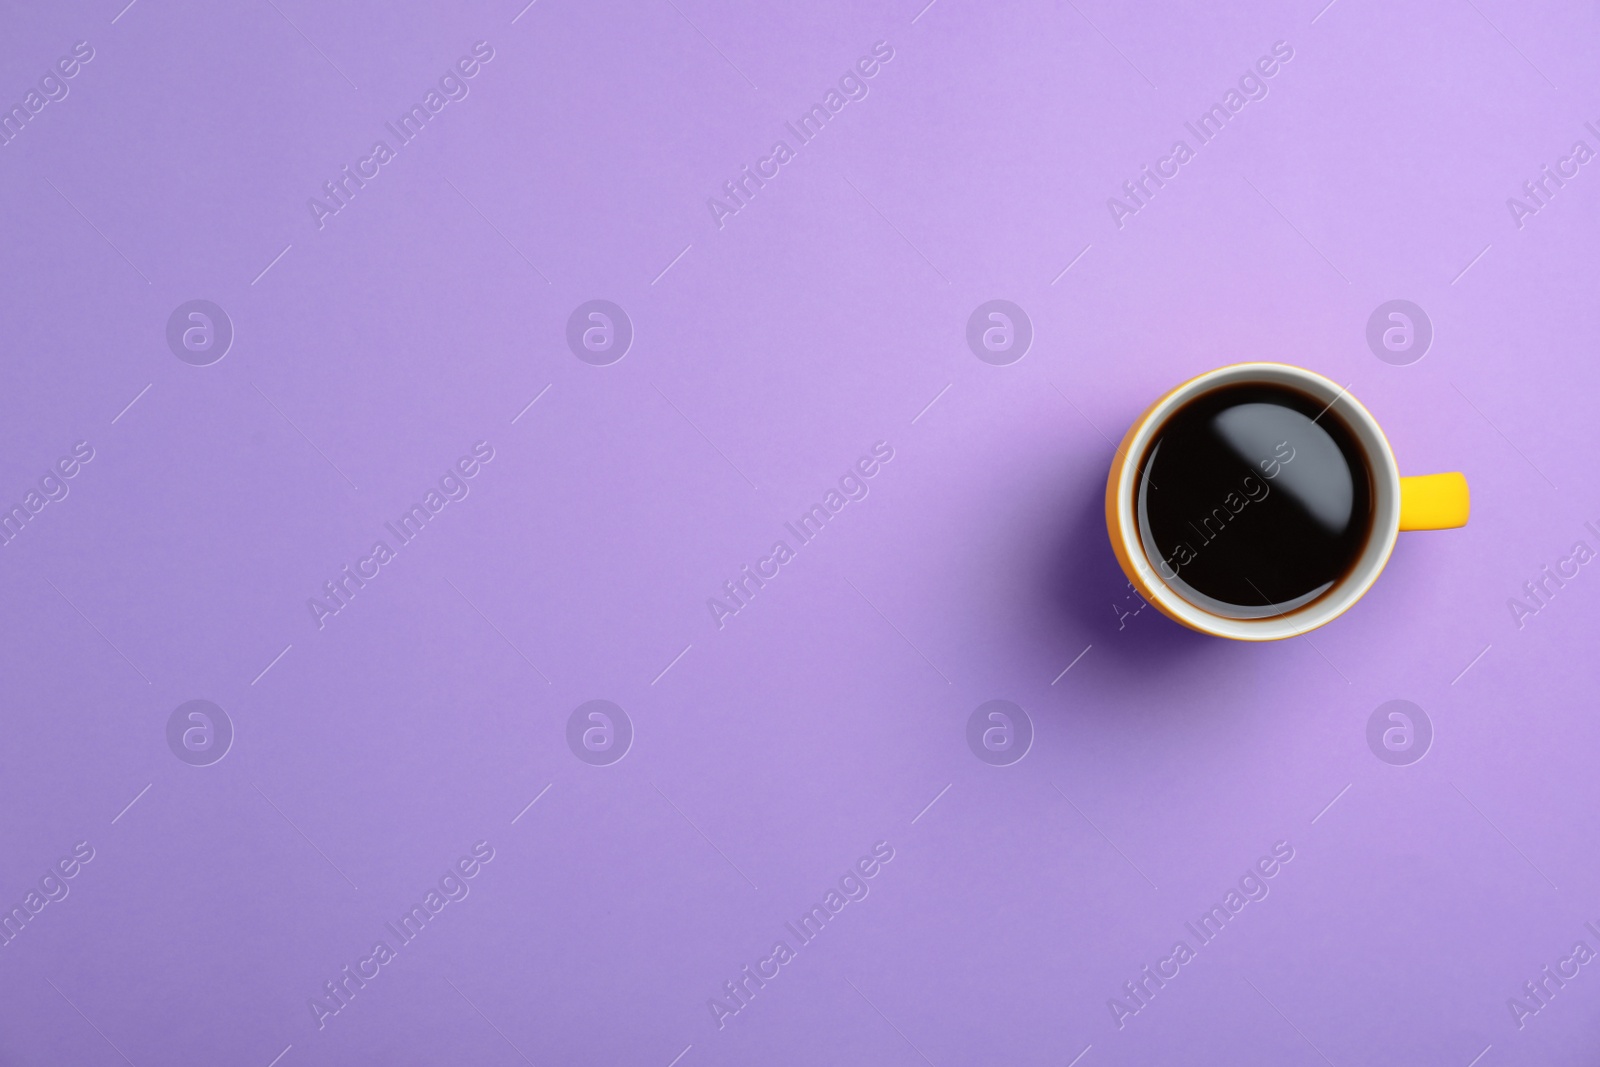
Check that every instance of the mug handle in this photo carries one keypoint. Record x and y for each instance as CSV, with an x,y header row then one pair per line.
x,y
1434,501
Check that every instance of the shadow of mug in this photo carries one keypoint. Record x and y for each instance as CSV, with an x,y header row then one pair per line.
x,y
1090,595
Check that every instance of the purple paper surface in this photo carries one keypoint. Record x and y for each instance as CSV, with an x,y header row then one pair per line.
x,y
629,347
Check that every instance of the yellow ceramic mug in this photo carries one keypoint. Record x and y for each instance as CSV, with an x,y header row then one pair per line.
x,y
1428,502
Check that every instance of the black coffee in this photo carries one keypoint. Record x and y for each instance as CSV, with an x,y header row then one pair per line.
x,y
1253,500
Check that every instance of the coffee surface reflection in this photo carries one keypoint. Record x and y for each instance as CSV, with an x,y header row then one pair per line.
x,y
1253,500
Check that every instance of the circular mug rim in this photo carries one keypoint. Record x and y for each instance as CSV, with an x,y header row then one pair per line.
x,y
1121,517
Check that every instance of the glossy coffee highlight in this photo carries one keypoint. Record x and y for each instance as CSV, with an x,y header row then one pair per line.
x,y
1254,501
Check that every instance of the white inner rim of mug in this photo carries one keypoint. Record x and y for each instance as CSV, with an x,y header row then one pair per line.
x,y
1325,605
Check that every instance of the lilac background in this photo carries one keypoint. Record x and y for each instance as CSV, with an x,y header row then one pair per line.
x,y
823,317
